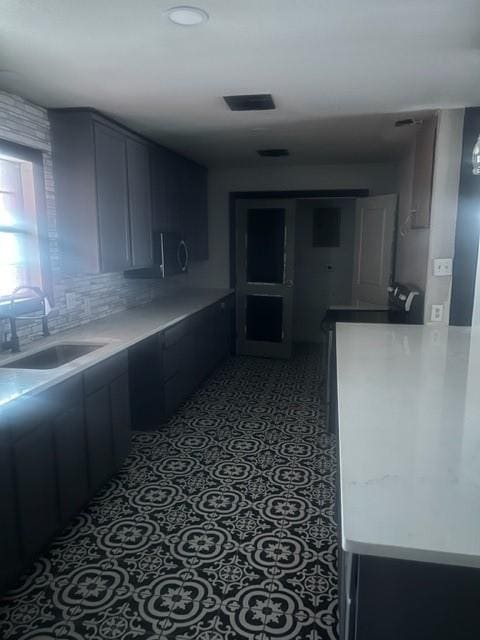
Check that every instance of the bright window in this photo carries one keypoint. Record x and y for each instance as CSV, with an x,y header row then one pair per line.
x,y
20,261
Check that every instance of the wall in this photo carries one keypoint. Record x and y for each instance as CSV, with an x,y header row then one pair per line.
x,y
96,295
379,178
316,288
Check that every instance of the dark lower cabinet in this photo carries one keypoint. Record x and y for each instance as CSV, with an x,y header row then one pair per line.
x,y
165,369
213,337
36,489
397,599
71,455
56,449
121,424
178,366
107,418
9,533
99,437
145,363
384,598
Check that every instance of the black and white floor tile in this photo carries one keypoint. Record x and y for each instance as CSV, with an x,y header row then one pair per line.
x,y
220,525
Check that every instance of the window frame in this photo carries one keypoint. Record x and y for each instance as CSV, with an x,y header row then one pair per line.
x,y
35,157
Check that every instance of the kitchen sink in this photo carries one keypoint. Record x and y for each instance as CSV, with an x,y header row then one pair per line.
x,y
52,357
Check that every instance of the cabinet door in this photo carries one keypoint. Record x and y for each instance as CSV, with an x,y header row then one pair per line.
x,y
119,400
158,180
99,437
201,190
205,345
71,451
34,462
9,544
139,198
174,394
145,365
173,194
197,212
112,199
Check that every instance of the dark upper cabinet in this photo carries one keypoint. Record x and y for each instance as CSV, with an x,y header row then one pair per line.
x,y
199,242
173,182
114,188
179,199
193,209
112,199
140,206
158,182
103,193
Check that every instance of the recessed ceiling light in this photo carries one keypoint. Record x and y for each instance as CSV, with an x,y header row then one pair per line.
x,y
187,16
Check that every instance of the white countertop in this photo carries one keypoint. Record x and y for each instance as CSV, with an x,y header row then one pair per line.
x,y
409,441
117,332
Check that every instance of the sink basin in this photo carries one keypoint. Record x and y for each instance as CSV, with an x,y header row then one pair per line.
x,y
52,357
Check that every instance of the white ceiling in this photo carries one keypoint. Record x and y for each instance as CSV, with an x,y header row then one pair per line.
x,y
330,65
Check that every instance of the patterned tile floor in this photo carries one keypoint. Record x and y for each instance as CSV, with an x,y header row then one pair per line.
x,y
220,525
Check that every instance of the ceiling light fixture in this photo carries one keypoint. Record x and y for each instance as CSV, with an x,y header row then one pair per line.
x,y
187,16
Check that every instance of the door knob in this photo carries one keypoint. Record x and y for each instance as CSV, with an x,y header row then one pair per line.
x,y
289,283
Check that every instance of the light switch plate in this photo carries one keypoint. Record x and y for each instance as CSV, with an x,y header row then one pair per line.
x,y
442,266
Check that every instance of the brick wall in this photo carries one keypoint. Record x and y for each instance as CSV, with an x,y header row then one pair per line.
x,y
95,296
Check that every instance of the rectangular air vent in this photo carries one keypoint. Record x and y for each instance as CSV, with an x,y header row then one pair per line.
x,y
254,102
273,153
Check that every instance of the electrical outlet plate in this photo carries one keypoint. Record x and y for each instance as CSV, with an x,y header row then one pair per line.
x,y
437,313
442,266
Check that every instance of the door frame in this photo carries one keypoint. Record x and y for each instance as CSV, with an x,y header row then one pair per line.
x,y
233,196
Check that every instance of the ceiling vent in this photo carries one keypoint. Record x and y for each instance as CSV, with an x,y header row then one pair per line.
x,y
254,102
273,153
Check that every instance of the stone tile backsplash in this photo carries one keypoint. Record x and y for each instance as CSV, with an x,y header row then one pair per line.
x,y
95,296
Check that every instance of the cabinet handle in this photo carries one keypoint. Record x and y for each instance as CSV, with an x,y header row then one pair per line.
x,y
183,265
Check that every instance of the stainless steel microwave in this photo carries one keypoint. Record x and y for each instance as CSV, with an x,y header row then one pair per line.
x,y
170,253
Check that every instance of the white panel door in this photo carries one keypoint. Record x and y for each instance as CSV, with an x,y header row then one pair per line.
x,y
375,221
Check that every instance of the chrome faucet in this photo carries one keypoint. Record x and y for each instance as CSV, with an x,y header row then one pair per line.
x,y
13,343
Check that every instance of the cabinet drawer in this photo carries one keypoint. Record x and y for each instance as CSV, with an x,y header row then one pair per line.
x,y
178,357
176,333
104,372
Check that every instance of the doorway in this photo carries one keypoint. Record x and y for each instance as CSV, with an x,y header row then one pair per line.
x,y
265,299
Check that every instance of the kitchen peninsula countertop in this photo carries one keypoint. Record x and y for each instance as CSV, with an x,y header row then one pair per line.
x,y
409,441
116,333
